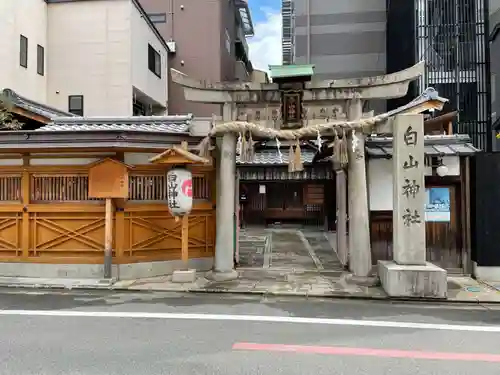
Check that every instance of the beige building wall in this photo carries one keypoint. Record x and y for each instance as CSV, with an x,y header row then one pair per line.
x,y
28,18
142,78
99,49
260,76
89,54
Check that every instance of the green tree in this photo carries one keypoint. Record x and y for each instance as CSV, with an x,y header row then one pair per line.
x,y
7,121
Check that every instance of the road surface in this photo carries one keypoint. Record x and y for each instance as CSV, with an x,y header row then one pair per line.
x,y
110,333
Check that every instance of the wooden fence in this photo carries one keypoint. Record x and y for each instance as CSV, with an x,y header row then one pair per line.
x,y
443,239
46,216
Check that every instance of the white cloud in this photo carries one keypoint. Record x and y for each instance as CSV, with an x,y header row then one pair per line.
x,y
265,45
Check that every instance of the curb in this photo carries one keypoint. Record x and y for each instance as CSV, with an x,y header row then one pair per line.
x,y
254,293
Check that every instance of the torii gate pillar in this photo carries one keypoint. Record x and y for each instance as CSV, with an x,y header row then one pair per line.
x,y
223,268
360,257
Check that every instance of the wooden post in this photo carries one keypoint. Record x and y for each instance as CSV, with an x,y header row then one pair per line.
x,y
108,180
185,242
25,196
108,238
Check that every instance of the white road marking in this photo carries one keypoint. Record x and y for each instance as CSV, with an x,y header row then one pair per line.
x,y
252,318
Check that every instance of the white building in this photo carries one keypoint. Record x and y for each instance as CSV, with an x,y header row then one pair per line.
x,y
91,58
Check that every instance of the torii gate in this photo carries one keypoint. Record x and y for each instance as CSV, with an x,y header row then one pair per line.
x,y
350,93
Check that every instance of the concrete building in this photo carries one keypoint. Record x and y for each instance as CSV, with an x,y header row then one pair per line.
x,y
494,38
207,40
89,58
360,38
343,39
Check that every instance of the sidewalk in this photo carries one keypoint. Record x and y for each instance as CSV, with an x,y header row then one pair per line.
x,y
277,262
285,283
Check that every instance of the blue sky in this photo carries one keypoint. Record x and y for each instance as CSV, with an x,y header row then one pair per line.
x,y
258,15
265,46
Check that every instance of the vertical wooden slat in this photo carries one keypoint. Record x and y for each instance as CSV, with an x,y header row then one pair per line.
x,y
108,238
70,188
120,234
25,231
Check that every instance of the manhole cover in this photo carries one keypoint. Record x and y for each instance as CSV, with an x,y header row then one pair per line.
x,y
473,289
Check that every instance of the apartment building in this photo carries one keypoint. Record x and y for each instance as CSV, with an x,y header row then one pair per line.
x,y
354,38
85,57
494,39
208,42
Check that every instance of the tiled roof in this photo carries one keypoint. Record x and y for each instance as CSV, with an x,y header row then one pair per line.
x,y
34,107
271,157
381,147
435,145
154,124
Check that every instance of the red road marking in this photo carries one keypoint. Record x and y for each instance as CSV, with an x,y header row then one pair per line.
x,y
385,353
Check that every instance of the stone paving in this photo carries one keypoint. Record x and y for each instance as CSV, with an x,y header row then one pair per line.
x,y
301,263
321,247
291,263
289,252
266,282
307,284
261,282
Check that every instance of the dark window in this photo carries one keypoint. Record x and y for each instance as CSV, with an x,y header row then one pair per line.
x,y
23,51
75,104
40,60
158,17
154,61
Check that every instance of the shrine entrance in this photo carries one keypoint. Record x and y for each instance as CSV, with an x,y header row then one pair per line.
x,y
289,203
285,200
271,196
274,132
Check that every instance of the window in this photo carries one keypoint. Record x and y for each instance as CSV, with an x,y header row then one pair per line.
x,y
40,60
23,51
154,61
158,17
228,42
75,104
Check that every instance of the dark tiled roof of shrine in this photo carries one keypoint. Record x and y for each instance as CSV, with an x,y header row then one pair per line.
x,y
376,147
154,124
33,106
272,157
435,145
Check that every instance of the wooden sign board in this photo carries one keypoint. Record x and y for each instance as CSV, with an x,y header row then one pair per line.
x,y
108,178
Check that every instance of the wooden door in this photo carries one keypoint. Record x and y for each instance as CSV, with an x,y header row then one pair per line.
x,y
284,201
293,197
443,236
443,230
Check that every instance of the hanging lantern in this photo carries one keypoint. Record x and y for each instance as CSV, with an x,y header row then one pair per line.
x,y
179,191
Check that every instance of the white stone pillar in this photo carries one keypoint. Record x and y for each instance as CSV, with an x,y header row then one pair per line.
x,y
223,268
341,225
360,256
409,275
408,237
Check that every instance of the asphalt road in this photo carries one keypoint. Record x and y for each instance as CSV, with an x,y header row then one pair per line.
x,y
107,333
